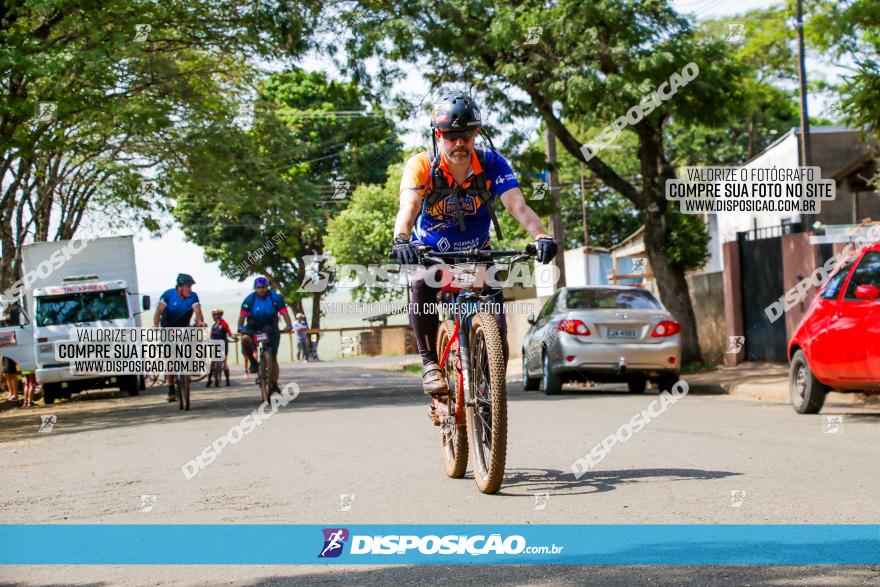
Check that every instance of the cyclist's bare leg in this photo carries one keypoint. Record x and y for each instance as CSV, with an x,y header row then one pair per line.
x,y
247,349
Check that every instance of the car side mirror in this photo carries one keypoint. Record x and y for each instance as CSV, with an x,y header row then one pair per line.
x,y
145,303
530,319
867,292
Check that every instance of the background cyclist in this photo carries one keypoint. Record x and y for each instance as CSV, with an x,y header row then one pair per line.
x,y
451,211
261,309
175,309
220,331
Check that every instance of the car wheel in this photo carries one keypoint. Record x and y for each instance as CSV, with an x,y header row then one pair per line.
x,y
807,393
529,383
552,383
637,385
666,382
130,385
50,393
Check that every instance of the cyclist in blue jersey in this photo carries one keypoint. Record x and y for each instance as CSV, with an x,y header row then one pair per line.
x,y
175,309
449,198
260,309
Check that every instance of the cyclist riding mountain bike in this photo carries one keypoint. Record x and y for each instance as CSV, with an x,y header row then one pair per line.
x,y
220,331
175,309
261,309
449,198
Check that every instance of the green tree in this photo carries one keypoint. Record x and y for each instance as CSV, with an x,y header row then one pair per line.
x,y
361,234
237,189
124,81
849,32
590,64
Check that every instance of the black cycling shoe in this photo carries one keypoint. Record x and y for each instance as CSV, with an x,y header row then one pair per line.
x,y
433,379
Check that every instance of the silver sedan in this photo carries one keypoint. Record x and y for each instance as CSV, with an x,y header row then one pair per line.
x,y
602,334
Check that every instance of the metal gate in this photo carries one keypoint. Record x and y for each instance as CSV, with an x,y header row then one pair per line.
x,y
760,253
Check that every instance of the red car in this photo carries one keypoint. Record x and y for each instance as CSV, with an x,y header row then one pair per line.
x,y
837,344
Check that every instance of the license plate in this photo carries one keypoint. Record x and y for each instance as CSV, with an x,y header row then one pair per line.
x,y
621,333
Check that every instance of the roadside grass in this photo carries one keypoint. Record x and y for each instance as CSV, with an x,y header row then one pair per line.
x,y
698,367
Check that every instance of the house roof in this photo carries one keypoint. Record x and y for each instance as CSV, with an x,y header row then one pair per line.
x,y
835,149
633,244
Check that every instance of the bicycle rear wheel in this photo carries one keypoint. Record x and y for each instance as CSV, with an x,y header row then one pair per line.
x,y
487,417
453,434
265,370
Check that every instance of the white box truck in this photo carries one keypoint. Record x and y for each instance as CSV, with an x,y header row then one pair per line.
x,y
95,285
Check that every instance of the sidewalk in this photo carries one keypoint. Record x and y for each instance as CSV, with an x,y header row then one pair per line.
x,y
751,380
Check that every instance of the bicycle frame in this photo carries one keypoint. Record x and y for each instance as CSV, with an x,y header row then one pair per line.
x,y
463,315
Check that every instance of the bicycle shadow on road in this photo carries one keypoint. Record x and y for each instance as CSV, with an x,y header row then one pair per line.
x,y
526,482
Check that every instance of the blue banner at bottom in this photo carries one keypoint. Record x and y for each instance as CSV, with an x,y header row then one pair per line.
x,y
258,544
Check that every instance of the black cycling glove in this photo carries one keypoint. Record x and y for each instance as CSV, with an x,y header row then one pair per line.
x,y
406,252
546,249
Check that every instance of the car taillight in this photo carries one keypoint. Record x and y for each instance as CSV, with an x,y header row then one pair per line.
x,y
666,328
573,327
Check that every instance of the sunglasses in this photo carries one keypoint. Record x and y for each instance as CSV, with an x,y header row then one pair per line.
x,y
454,135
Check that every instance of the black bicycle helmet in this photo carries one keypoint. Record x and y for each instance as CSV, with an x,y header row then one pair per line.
x,y
184,279
455,111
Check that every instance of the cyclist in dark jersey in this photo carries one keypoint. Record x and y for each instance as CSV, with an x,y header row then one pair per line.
x,y
175,309
261,309
220,331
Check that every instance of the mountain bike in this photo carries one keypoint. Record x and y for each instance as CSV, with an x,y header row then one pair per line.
x,y
473,421
266,362
182,385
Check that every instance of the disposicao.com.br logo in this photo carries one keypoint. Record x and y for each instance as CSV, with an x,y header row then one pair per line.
x,y
479,544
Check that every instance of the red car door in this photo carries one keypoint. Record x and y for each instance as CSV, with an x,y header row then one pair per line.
x,y
822,328
861,306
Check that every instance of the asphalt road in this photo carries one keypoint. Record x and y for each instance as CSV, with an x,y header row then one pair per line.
x,y
366,434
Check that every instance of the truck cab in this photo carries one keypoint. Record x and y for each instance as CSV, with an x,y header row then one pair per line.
x,y
82,302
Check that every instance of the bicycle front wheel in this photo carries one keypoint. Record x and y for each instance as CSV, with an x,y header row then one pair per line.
x,y
453,437
487,413
265,370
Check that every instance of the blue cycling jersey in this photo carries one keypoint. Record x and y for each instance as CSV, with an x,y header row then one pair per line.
x,y
262,312
178,310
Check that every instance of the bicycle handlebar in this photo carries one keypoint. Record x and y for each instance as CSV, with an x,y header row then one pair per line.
x,y
437,257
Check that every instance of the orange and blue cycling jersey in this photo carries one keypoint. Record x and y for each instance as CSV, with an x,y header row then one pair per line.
x,y
438,227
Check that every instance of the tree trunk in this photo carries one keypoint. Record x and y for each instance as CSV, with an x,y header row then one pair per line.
x,y
557,225
671,282
672,286
7,258
315,322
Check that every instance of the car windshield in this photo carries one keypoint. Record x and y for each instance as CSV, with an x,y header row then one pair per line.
x,y
81,307
599,299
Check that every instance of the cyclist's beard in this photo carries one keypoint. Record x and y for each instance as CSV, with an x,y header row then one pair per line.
x,y
459,154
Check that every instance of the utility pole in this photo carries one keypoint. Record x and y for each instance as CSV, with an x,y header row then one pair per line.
x,y
553,186
806,155
585,212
